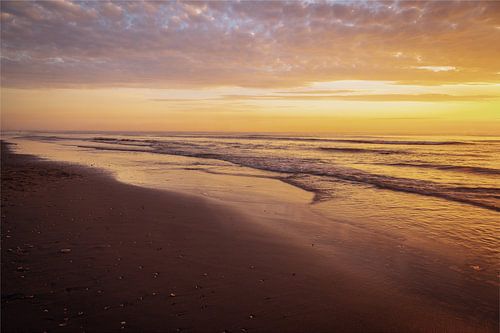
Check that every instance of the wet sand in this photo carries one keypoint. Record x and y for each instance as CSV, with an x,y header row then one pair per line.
x,y
83,252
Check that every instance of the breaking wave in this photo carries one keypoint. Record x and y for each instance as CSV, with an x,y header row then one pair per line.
x,y
308,164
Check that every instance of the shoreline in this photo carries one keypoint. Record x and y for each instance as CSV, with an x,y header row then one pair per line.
x,y
163,261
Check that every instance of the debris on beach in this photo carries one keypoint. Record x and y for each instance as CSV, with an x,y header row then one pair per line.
x,y
64,323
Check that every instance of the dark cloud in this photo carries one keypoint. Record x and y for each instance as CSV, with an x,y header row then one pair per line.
x,y
253,44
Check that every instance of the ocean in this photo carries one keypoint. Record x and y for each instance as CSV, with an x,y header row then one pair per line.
x,y
443,192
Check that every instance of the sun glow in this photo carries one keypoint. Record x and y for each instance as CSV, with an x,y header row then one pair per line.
x,y
261,67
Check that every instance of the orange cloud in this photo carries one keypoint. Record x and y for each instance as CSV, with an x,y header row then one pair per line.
x,y
358,97
251,44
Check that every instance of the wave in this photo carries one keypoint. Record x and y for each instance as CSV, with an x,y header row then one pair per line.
x,y
294,168
267,137
363,150
479,197
172,144
362,141
49,138
297,166
141,150
307,139
126,142
460,168
405,142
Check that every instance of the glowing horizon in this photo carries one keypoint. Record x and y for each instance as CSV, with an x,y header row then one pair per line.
x,y
346,67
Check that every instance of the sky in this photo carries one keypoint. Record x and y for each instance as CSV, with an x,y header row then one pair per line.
x,y
391,67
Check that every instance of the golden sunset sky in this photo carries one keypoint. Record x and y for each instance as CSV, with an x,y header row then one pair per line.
x,y
397,67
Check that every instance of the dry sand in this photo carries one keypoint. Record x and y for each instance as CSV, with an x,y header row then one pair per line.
x,y
83,252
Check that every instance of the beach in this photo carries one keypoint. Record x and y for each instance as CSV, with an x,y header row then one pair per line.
x,y
84,252
250,166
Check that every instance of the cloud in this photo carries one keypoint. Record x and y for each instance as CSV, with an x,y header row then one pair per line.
x,y
437,68
250,44
357,97
315,92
